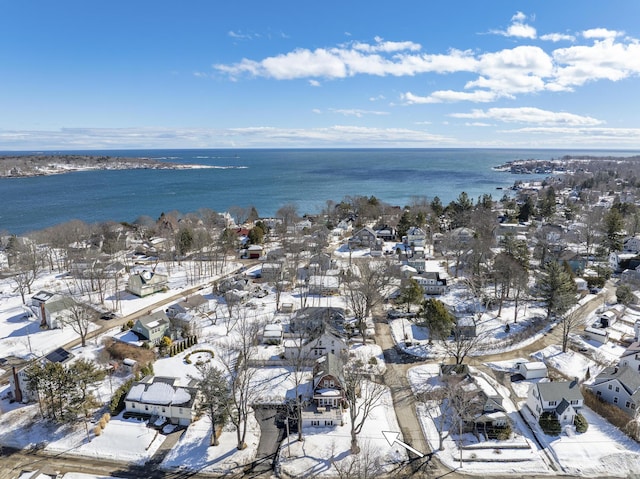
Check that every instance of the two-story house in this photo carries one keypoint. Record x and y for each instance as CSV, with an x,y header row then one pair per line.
x,y
631,357
152,327
146,283
432,282
19,386
162,397
415,237
193,305
619,386
562,398
52,309
328,397
363,238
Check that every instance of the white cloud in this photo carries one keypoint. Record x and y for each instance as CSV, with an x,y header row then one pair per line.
x,y
357,113
605,137
602,33
478,123
529,115
557,37
259,136
506,73
317,111
520,30
239,35
519,17
377,98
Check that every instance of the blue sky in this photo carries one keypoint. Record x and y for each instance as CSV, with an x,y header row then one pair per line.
x,y
243,74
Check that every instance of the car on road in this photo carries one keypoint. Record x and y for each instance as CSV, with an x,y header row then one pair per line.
x,y
107,316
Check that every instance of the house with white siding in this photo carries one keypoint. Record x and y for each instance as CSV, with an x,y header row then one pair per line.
x,y
562,398
164,397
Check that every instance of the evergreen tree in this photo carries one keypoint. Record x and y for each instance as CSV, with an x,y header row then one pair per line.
x,y
214,392
437,318
557,289
412,293
613,224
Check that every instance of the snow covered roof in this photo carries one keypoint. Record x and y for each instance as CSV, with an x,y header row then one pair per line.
x,y
160,391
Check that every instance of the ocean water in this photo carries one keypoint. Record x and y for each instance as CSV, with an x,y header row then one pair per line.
x,y
266,179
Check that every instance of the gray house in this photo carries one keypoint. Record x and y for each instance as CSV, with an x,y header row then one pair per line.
x,y
619,386
152,327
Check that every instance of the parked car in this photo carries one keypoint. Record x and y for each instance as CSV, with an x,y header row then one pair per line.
x,y
107,316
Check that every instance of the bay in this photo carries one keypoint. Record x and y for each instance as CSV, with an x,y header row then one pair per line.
x,y
265,178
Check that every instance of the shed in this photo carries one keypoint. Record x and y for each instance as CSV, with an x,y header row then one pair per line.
x,y
532,370
597,334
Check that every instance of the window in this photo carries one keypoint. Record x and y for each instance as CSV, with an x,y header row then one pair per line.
x,y
610,387
163,409
553,403
328,423
615,400
598,393
575,401
627,404
315,423
146,408
133,406
617,389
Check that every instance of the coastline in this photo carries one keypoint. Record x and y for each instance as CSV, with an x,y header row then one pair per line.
x,y
34,166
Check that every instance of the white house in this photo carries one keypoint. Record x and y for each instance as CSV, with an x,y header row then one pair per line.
x,y
562,398
52,309
432,282
193,305
632,245
272,334
324,285
619,386
599,335
146,283
19,387
163,397
631,357
532,369
415,237
328,399
323,344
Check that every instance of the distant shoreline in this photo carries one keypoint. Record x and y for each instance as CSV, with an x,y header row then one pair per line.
x,y
49,165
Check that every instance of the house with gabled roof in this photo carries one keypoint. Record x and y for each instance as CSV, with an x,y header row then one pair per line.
x,y
363,238
19,386
415,237
52,309
619,386
147,282
152,327
328,398
631,357
194,304
163,397
562,398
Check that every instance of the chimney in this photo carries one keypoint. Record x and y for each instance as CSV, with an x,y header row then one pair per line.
x,y
17,393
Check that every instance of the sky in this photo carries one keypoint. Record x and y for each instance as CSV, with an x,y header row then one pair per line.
x,y
77,74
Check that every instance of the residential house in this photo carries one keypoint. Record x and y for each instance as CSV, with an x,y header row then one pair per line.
x,y
324,285
632,244
146,283
386,233
328,399
193,305
432,282
415,237
320,263
315,346
562,398
18,384
52,309
152,327
363,238
631,356
314,320
272,271
463,235
163,397
619,386
619,261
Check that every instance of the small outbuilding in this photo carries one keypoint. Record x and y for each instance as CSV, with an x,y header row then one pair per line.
x,y
532,370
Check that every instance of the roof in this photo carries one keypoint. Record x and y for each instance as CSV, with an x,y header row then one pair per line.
x,y
562,407
161,390
328,365
60,303
43,296
632,350
154,319
559,390
626,376
534,366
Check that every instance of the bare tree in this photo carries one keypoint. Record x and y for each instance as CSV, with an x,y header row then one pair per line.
x,y
235,356
27,264
569,322
436,407
362,395
365,285
79,319
462,343
365,464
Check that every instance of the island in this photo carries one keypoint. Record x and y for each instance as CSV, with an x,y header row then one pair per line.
x,y
24,166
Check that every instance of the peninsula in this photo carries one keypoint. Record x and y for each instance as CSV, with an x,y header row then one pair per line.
x,y
22,166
